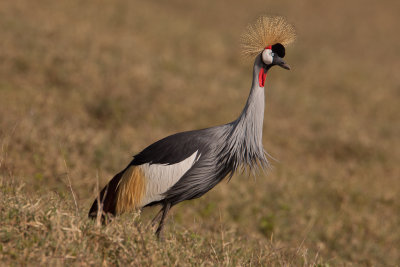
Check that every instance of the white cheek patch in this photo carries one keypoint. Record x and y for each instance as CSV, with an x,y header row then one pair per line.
x,y
267,56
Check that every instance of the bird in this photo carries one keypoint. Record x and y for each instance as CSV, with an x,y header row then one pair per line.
x,y
186,165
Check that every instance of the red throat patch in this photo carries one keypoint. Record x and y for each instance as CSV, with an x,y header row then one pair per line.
x,y
261,77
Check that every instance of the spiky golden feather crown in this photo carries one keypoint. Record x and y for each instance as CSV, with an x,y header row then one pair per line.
x,y
267,31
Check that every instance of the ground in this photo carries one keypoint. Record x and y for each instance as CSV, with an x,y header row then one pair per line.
x,y
84,85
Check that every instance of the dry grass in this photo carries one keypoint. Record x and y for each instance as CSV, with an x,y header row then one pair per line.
x,y
85,85
44,230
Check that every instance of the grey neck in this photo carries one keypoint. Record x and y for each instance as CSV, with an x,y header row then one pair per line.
x,y
245,139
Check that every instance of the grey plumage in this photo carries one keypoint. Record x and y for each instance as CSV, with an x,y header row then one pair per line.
x,y
226,149
186,165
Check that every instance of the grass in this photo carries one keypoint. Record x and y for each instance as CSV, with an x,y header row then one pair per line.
x,y
46,230
85,85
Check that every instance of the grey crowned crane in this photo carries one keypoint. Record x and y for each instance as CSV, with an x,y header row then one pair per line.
x,y
187,165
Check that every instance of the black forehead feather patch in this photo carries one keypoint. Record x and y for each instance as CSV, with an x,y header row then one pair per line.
x,y
279,49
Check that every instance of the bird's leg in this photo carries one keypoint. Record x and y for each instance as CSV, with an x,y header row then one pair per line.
x,y
157,217
165,210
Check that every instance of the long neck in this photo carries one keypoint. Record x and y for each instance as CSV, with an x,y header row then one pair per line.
x,y
252,117
245,140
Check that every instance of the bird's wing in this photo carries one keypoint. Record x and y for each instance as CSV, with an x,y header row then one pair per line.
x,y
172,169
166,161
183,166
173,149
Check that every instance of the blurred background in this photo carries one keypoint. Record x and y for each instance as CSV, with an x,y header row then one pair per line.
x,y
92,83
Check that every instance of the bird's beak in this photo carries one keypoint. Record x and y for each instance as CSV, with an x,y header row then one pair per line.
x,y
280,62
284,65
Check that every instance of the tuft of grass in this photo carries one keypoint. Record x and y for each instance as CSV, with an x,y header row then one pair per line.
x,y
46,230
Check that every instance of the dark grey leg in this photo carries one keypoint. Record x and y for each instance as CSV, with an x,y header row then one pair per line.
x,y
157,217
165,210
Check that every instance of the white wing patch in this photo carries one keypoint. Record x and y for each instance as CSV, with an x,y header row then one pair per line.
x,y
161,177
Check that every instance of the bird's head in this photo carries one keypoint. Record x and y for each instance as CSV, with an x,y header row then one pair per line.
x,y
266,40
273,55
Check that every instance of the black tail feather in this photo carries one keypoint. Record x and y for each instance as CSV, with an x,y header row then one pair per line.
x,y
107,199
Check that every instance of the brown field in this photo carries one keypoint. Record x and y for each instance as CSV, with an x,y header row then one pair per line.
x,y
84,85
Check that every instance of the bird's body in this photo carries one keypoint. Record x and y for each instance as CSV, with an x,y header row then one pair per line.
x,y
186,165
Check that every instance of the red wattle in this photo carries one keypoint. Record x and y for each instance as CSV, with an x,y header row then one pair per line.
x,y
261,77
